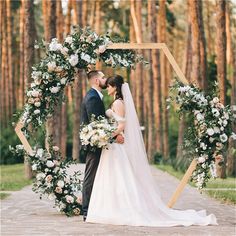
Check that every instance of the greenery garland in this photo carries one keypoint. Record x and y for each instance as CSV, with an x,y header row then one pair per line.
x,y
211,128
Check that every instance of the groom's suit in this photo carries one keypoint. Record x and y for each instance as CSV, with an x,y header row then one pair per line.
x,y
92,104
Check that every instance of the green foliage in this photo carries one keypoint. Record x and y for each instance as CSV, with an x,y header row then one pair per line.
x,y
9,137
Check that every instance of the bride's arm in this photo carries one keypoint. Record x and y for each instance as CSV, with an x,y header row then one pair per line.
x,y
119,109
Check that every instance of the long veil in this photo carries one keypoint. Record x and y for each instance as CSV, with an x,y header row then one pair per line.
x,y
134,143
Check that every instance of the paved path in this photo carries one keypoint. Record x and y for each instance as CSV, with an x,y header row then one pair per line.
x,y
24,214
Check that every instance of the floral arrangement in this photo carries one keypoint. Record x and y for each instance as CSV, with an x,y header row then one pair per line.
x,y
50,76
51,179
210,131
98,133
59,67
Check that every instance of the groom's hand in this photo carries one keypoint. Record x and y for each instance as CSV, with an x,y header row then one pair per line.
x,y
120,139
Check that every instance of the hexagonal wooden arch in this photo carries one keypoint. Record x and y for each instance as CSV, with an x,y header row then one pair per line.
x,y
181,77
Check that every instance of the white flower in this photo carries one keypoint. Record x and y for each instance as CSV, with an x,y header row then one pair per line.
x,y
36,111
200,117
34,93
54,45
85,57
216,129
48,178
51,196
32,85
69,199
211,140
210,131
102,49
54,89
63,80
74,60
201,159
225,122
215,100
69,39
34,167
223,138
55,148
215,112
64,51
37,104
40,176
49,164
51,66
60,183
40,152
233,136
203,146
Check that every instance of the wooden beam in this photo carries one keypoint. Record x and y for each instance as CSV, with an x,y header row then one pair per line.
x,y
182,183
136,46
22,138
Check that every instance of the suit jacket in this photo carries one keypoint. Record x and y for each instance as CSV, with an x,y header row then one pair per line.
x,y
91,104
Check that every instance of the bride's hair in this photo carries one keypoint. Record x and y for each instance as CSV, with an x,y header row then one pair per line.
x,y
116,81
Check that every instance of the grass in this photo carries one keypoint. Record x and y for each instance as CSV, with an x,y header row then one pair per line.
x,y
226,196
12,177
4,195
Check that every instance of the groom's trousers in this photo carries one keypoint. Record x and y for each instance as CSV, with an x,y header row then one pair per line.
x,y
92,161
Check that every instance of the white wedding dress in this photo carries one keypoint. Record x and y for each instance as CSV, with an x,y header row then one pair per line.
x,y
124,191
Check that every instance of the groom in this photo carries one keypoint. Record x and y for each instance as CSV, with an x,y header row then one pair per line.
x,y
93,104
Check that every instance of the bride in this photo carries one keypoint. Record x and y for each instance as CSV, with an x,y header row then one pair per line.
x,y
124,191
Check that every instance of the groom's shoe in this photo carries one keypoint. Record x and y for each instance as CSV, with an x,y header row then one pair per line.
x,y
85,218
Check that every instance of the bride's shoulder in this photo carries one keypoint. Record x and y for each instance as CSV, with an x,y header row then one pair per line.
x,y
118,103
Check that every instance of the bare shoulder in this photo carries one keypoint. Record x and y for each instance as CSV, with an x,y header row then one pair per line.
x,y
118,103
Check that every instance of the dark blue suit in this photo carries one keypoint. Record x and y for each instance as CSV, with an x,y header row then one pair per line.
x,y
92,104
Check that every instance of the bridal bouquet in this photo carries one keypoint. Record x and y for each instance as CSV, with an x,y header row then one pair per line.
x,y
98,133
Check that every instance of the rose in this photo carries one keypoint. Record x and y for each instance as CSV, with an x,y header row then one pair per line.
x,y
58,190
85,57
40,176
51,66
201,159
74,60
49,164
79,200
69,39
210,131
37,104
54,45
63,80
40,152
60,183
55,148
30,100
215,99
36,111
35,93
69,199
54,89
48,178
102,49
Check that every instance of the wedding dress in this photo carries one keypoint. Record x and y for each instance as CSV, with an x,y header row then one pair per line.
x,y
124,190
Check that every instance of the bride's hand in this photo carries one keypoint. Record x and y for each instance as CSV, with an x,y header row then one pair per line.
x,y
120,139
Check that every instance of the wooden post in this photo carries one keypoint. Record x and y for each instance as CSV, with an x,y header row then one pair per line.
x,y
182,183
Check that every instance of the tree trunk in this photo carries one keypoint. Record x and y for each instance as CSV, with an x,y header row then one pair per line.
x,y
187,71
9,56
29,37
150,92
203,56
21,57
77,92
221,64
165,79
193,12
231,62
